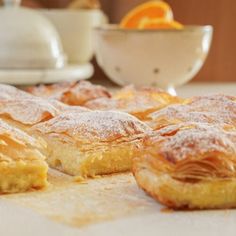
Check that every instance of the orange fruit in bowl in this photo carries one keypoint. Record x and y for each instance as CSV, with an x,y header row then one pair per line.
x,y
159,24
149,10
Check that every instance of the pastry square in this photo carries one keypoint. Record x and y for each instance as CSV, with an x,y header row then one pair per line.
x,y
91,143
22,166
189,165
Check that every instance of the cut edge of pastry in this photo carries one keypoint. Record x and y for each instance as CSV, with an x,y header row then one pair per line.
x,y
100,161
22,165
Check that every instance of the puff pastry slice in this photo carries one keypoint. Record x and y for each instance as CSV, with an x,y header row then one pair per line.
x,y
91,143
189,165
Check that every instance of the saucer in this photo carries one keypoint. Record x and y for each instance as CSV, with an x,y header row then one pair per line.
x,y
37,76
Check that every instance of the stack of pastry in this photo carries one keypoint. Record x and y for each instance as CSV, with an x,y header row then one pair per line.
x,y
74,139
100,137
182,151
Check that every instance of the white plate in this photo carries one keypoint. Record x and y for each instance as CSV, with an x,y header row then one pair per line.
x,y
26,77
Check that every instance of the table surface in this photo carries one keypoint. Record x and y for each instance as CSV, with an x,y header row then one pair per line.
x,y
195,89
17,220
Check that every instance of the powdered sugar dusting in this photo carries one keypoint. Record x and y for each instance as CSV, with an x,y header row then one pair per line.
x,y
218,109
217,102
94,125
189,140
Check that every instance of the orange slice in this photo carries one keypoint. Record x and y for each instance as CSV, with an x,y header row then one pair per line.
x,y
159,24
149,10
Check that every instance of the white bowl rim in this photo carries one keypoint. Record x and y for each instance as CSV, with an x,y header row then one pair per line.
x,y
187,28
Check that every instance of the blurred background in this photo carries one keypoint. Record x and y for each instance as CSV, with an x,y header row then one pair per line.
x,y
220,65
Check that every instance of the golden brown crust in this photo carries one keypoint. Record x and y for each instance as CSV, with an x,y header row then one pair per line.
x,y
137,101
213,109
179,158
71,93
215,194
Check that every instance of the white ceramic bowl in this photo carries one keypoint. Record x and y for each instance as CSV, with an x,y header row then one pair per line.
x,y
75,29
164,58
28,40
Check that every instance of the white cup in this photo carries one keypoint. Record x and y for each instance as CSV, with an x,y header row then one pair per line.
x,y
75,29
